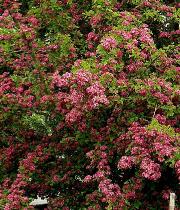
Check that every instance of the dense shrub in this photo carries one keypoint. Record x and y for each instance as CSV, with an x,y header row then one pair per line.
x,y
89,100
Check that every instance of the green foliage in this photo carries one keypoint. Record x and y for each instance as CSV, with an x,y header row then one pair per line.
x,y
38,123
155,125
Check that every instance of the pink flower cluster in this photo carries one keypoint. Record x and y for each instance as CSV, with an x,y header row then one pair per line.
x,y
6,83
110,191
109,43
150,169
99,159
177,168
145,36
148,149
16,196
161,97
95,89
161,119
95,20
59,81
126,162
76,97
92,36
97,96
73,116
84,93
83,77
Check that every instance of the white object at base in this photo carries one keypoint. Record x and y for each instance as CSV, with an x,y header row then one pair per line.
x,y
39,201
172,201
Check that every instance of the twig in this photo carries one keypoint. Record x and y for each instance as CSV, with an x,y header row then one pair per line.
x,y
155,111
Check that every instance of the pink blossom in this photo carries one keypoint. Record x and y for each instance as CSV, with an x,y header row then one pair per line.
x,y
150,169
177,168
95,20
95,89
165,194
99,175
161,119
73,116
59,81
126,162
92,36
126,35
87,178
83,77
75,96
109,43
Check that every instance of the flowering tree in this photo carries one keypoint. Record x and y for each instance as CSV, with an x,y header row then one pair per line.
x,y
89,94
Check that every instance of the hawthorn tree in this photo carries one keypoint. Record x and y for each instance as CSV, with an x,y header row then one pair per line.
x,y
89,94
